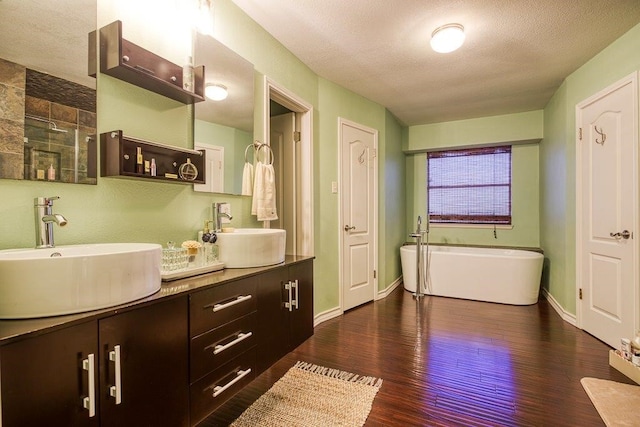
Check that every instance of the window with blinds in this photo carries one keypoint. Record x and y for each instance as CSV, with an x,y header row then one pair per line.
x,y
471,186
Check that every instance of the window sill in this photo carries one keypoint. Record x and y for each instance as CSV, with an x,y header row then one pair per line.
x,y
472,226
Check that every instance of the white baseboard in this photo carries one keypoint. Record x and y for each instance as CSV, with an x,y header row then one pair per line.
x,y
326,315
335,312
566,316
385,292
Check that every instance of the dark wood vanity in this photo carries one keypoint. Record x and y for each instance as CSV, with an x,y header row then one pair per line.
x,y
167,360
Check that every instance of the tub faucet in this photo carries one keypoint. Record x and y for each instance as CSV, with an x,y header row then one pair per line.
x,y
45,218
419,231
218,215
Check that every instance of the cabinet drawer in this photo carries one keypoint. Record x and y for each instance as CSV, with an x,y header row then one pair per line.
x,y
213,390
216,306
218,346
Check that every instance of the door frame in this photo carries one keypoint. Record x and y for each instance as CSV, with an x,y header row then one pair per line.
x,y
341,224
304,185
633,79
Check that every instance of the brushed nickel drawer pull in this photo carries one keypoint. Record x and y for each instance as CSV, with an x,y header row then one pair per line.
x,y
241,298
217,390
89,402
116,390
220,347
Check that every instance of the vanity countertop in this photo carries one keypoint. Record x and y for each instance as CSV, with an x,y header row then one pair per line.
x,y
11,330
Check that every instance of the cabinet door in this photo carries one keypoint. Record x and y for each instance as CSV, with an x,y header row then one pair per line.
x,y
301,322
153,366
273,318
43,380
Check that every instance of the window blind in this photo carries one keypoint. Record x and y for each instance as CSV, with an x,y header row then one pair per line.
x,y
471,186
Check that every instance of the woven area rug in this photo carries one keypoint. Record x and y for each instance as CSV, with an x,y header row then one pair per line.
x,y
617,403
310,395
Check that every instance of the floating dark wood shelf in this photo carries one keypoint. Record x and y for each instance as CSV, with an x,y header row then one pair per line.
x,y
131,63
118,158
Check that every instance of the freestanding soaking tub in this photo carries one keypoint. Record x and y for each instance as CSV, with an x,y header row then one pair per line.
x,y
507,276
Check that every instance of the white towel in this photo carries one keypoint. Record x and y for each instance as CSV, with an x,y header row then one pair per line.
x,y
264,193
247,179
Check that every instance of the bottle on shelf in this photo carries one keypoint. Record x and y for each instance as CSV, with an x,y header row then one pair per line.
x,y
187,75
139,162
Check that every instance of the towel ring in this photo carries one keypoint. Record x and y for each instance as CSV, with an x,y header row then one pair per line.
x,y
246,150
269,153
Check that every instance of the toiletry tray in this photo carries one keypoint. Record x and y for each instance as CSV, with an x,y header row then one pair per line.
x,y
118,159
133,64
624,366
194,271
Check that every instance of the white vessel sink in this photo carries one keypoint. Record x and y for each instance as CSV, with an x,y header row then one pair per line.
x,y
76,278
252,247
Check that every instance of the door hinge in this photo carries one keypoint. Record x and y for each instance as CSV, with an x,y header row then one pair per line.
x,y
580,293
374,274
375,153
296,136
580,134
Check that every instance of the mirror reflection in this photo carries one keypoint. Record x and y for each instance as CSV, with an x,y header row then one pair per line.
x,y
47,98
224,128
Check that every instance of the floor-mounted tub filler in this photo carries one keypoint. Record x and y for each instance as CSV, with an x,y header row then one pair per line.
x,y
509,276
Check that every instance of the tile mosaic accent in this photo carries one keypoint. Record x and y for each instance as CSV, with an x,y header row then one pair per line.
x,y
60,91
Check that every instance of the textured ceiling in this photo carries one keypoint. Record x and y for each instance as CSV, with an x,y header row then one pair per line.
x,y
48,36
516,53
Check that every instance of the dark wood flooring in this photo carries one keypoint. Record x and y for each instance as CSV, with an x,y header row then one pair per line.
x,y
451,362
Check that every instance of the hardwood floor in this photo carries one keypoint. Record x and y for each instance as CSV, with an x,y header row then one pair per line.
x,y
451,362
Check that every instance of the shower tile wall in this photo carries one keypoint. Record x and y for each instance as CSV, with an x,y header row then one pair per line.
x,y
72,108
12,100
70,105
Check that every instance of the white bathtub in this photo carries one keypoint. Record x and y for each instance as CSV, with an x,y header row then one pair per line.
x,y
506,276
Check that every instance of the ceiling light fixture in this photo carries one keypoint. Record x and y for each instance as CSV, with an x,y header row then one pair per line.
x,y
447,38
216,92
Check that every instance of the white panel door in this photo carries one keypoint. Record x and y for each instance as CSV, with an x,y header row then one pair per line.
x,y
282,143
607,212
358,222
214,175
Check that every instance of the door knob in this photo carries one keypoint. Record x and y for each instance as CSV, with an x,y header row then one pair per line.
x,y
347,228
624,234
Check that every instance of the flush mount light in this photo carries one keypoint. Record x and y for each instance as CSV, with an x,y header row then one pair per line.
x,y
447,38
216,92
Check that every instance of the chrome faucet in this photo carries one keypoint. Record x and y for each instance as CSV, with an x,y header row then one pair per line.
x,y
218,215
45,218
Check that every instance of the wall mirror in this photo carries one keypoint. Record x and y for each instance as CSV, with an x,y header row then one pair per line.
x,y
47,97
224,128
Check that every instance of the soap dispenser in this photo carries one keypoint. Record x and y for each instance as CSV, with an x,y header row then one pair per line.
x,y
208,239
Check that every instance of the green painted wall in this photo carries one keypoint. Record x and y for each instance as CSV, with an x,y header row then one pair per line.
x,y
521,129
121,210
393,201
479,131
336,102
558,157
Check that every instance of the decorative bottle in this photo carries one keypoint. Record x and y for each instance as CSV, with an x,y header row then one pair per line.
x,y
187,75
